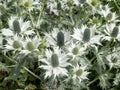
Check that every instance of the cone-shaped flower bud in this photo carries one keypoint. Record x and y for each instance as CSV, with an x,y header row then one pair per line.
x,y
86,35
115,32
109,16
16,26
60,39
54,60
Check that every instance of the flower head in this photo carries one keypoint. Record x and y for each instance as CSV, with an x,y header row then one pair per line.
x,y
14,43
113,60
55,63
17,26
30,44
75,50
58,37
29,4
79,73
105,11
112,32
86,35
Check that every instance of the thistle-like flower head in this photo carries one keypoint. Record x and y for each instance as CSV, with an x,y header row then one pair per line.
x,y
17,26
58,37
86,35
55,63
112,32
79,73
30,44
14,43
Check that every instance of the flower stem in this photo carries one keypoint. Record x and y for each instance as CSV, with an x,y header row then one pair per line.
x,y
97,78
9,58
31,19
31,73
40,14
92,81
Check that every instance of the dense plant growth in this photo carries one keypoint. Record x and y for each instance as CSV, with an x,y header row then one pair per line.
x,y
59,45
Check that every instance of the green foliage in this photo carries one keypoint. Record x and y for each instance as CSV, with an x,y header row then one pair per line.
x,y
59,45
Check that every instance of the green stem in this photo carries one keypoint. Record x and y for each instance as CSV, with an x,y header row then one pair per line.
x,y
23,67
40,14
11,66
92,59
97,78
31,19
71,17
31,73
33,24
9,58
92,81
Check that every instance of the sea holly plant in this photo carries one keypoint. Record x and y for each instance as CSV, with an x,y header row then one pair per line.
x,y
55,64
59,45
58,37
112,31
86,36
16,25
